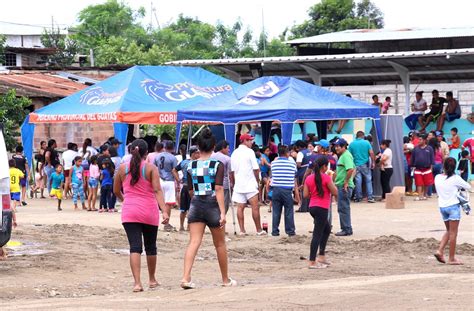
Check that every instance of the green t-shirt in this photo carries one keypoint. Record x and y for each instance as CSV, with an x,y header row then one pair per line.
x,y
345,163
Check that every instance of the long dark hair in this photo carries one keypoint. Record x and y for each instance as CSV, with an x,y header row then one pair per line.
x,y
449,166
139,149
320,162
434,143
87,143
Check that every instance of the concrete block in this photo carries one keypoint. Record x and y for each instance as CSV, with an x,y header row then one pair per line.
x,y
395,199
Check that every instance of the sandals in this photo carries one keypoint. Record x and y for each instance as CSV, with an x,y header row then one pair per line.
x,y
154,285
188,285
318,265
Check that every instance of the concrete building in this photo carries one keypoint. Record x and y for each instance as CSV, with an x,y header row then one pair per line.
x,y
23,44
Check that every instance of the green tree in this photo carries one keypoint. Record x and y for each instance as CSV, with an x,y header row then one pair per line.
x,y
12,113
110,19
120,51
66,47
337,15
189,38
2,49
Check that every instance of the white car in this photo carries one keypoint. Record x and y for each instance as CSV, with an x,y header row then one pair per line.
x,y
5,210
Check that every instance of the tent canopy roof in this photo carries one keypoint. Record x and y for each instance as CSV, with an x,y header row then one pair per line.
x,y
141,94
278,98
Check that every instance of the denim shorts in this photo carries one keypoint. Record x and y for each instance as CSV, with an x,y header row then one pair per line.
x,y
93,182
452,212
205,209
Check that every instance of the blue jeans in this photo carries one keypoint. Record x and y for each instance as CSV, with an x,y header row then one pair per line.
x,y
412,120
282,198
363,171
344,208
48,170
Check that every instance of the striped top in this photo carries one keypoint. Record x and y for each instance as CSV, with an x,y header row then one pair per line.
x,y
283,173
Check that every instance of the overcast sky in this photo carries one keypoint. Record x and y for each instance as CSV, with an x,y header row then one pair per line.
x,y
277,14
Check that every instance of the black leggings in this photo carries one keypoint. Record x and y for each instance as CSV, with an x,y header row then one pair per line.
x,y
385,176
135,231
321,231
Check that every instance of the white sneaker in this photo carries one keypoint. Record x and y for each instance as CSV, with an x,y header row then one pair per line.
x,y
231,283
262,233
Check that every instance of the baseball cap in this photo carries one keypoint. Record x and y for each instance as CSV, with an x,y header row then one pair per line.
x,y
244,137
323,143
439,133
341,142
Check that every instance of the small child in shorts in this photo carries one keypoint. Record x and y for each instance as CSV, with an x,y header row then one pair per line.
x,y
94,175
463,166
57,184
15,189
77,176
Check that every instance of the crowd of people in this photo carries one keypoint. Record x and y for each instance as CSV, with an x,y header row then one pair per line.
x,y
204,181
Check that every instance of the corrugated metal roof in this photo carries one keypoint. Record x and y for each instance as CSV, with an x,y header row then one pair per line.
x,y
39,85
315,58
360,35
8,28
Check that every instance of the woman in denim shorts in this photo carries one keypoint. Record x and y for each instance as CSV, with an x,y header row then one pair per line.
x,y
447,187
205,180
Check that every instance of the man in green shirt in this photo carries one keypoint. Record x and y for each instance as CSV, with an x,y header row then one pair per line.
x,y
345,185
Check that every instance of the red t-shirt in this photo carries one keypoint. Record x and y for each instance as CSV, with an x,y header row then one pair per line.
x,y
315,200
469,143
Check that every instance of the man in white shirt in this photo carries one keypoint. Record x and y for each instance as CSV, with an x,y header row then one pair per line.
x,y
246,174
418,108
68,157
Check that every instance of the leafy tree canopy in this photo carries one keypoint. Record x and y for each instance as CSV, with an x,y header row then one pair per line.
x,y
12,113
338,15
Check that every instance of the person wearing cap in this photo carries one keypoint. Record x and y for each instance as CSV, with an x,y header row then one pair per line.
x,y
364,160
422,161
246,174
185,198
443,145
344,181
436,108
418,108
452,112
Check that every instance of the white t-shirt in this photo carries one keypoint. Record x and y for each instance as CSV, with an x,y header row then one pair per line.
x,y
299,157
388,158
447,189
68,157
243,163
90,150
419,105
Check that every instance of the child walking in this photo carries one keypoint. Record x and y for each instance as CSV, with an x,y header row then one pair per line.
x,y
39,183
15,190
94,175
77,177
57,183
463,166
106,178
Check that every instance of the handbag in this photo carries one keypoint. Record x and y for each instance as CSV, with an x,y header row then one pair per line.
x,y
463,197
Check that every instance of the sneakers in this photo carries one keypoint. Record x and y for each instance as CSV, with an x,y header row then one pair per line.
x,y
357,200
371,200
169,228
262,233
230,284
24,203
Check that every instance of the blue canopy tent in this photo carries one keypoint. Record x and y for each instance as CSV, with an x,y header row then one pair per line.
x,y
276,98
140,95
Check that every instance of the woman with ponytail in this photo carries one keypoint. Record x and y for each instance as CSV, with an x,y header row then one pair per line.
x,y
318,188
205,184
447,187
141,197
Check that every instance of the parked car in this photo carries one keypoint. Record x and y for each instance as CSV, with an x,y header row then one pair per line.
x,y
5,211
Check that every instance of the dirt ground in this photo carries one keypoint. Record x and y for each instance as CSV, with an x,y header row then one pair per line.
x,y
79,260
